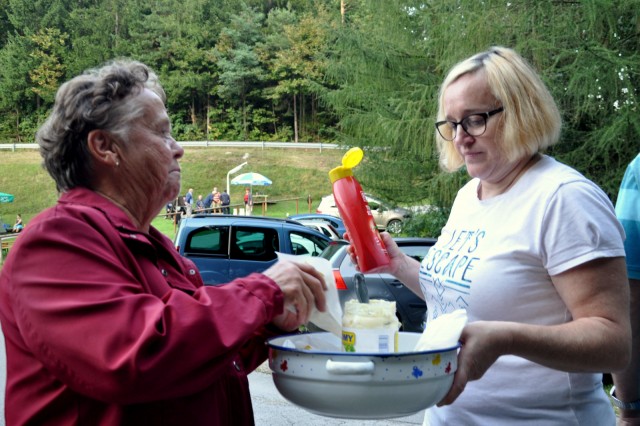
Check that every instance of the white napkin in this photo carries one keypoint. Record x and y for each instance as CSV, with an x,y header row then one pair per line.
x,y
331,319
317,342
442,332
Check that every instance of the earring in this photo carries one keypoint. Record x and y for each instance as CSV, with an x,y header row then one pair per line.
x,y
117,162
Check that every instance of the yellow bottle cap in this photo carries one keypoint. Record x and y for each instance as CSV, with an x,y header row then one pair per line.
x,y
339,173
352,157
349,160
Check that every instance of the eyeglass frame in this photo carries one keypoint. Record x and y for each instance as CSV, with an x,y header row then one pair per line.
x,y
485,115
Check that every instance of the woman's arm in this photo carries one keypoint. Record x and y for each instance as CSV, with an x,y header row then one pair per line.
x,y
596,339
404,268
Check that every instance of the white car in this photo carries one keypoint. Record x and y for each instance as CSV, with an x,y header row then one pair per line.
x,y
322,227
386,217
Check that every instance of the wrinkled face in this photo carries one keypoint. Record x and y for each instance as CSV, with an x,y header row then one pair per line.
x,y
468,95
152,154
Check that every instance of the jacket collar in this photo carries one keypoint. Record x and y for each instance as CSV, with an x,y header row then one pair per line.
x,y
90,198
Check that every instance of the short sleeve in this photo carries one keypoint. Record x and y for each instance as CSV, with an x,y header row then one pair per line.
x,y
579,225
628,212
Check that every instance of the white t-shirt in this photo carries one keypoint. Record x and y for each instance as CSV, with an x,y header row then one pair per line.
x,y
494,259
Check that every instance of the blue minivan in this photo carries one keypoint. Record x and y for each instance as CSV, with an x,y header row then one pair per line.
x,y
226,247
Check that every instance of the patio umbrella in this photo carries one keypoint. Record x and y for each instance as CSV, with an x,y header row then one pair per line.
x,y
6,198
251,179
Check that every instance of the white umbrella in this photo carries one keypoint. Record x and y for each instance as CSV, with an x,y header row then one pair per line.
x,y
251,179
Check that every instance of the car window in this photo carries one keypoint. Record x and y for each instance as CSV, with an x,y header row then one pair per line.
x,y
325,231
417,252
372,204
250,243
208,240
303,243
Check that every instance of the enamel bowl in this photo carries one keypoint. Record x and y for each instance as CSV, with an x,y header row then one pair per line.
x,y
358,385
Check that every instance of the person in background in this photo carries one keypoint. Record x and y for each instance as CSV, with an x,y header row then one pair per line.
x,y
200,204
532,250
215,205
248,201
18,226
225,200
208,202
188,201
626,391
104,322
168,212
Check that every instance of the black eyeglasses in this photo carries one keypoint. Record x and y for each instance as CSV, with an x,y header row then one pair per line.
x,y
473,125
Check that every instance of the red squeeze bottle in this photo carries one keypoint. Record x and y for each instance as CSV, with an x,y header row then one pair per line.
x,y
356,214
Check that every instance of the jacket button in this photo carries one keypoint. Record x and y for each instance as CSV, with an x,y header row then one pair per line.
x,y
192,271
237,367
164,272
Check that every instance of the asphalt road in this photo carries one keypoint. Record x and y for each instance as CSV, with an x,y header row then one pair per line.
x,y
271,409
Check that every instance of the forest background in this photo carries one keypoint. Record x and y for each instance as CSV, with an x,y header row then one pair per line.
x,y
353,72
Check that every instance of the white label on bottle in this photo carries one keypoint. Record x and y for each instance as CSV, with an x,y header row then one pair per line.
x,y
371,340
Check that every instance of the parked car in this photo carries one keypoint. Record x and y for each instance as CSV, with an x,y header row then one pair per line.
x,y
335,221
410,309
386,217
322,227
225,247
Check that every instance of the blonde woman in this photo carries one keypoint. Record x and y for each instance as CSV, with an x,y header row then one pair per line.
x,y
532,250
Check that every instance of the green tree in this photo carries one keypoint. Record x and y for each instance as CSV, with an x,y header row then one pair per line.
x,y
98,32
386,98
49,44
297,60
391,57
30,61
15,94
241,71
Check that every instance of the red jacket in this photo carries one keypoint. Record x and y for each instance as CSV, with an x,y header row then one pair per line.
x,y
105,325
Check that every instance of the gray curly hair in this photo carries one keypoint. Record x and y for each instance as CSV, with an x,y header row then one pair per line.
x,y
100,98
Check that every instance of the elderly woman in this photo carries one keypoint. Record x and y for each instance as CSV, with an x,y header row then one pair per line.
x,y
532,250
104,322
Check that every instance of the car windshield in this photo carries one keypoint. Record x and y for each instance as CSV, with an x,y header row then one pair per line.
x,y
333,248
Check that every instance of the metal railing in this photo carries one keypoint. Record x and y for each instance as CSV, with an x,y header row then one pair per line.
x,y
211,144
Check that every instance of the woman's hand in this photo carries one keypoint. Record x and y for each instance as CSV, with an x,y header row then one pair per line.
x,y
396,255
483,342
303,287
401,266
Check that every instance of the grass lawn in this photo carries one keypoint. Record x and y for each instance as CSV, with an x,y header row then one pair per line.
x,y
297,174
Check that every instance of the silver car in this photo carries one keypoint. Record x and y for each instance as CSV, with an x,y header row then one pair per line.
x,y
410,308
386,217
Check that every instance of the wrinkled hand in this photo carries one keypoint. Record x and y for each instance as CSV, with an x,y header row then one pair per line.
x,y
396,256
482,344
303,287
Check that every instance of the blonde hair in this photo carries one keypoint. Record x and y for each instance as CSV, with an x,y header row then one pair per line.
x,y
531,118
